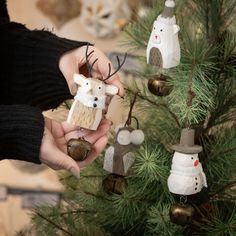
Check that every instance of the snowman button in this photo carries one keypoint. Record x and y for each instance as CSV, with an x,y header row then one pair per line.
x,y
196,178
196,189
95,99
94,105
197,183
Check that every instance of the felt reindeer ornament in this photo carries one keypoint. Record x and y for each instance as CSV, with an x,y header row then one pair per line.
x,y
186,175
103,18
90,100
120,157
163,48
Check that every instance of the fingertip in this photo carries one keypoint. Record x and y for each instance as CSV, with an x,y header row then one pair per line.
x,y
98,147
75,171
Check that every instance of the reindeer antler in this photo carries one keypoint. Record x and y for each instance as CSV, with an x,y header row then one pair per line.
x,y
87,55
118,68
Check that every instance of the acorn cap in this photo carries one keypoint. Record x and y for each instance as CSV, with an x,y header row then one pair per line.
x,y
186,144
167,16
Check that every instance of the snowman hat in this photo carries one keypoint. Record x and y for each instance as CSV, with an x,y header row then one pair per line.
x,y
167,16
186,144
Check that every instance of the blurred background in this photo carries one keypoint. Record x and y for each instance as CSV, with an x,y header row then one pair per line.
x,y
22,185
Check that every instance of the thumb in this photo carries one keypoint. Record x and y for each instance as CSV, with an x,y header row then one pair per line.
x,y
69,164
57,160
69,66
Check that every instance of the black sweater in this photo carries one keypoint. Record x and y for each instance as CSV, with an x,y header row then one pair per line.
x,y
30,82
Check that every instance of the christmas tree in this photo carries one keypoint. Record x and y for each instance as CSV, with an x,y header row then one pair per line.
x,y
186,112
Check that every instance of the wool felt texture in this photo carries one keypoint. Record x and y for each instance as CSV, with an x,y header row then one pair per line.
x,y
30,82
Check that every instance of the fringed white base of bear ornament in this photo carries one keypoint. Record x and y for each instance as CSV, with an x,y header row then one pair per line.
x,y
186,177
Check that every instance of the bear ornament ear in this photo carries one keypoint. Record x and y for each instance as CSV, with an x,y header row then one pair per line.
x,y
176,29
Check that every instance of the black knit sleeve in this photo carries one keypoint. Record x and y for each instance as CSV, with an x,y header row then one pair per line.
x,y
21,132
30,72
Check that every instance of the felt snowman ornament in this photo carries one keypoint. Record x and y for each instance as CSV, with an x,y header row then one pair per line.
x,y
120,157
163,48
186,175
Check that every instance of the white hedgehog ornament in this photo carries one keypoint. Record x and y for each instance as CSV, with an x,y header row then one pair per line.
x,y
186,175
120,157
163,48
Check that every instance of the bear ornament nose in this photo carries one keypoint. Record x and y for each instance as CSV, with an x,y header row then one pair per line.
x,y
196,163
156,36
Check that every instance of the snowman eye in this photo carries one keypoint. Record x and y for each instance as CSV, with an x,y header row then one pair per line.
x,y
192,158
87,83
161,30
99,87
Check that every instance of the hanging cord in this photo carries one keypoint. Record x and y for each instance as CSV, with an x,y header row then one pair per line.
x,y
191,94
129,119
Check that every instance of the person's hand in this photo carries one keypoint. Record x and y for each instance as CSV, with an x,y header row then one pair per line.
x,y
74,62
53,150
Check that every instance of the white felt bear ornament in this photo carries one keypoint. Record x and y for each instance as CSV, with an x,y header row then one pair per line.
x,y
90,100
163,48
120,157
186,175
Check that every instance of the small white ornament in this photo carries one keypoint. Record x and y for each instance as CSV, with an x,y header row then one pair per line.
x,y
186,174
163,48
137,137
90,100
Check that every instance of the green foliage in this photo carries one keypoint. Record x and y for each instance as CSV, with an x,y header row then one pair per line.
x,y
159,222
222,222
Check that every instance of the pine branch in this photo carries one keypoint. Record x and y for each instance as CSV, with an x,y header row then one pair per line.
x,y
222,189
97,196
227,151
54,224
156,104
191,94
77,211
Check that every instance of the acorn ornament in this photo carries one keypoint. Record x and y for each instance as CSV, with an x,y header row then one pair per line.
x,y
158,85
78,149
182,214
